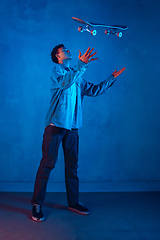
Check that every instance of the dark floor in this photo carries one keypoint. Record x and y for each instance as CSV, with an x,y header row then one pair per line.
x,y
114,216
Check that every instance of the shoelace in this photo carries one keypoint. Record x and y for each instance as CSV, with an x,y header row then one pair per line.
x,y
81,204
38,207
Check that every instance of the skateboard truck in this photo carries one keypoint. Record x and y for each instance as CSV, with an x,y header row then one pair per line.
x,y
110,31
87,29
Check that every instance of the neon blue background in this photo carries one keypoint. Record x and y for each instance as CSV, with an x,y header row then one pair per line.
x,y
120,137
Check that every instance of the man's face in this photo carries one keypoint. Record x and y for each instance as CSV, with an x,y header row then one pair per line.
x,y
63,54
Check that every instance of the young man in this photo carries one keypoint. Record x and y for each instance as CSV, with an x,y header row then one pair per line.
x,y
64,117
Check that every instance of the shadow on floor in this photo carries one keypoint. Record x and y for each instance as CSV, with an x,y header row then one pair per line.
x,y
114,216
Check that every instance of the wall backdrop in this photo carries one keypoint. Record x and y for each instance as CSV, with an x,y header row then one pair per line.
x,y
120,137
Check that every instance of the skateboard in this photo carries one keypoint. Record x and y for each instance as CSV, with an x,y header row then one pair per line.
x,y
89,27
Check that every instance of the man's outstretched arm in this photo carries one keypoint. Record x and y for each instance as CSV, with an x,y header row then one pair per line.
x,y
93,90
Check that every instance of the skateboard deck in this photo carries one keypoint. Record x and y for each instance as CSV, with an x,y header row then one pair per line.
x,y
89,27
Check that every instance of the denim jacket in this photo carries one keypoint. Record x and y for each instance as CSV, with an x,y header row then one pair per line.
x,y
68,90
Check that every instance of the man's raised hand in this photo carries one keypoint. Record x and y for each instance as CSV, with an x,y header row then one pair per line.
x,y
87,56
117,73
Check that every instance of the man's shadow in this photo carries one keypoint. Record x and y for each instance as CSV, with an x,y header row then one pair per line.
x,y
14,203
8,208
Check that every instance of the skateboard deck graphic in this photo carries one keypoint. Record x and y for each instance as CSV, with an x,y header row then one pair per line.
x,y
109,29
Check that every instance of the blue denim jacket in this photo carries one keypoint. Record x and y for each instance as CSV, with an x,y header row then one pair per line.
x,y
68,90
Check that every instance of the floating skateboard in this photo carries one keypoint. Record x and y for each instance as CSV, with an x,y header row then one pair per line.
x,y
89,27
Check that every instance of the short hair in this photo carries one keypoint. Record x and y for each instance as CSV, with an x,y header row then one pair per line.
x,y
54,52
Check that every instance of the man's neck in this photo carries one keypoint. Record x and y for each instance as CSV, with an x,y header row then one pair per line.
x,y
65,63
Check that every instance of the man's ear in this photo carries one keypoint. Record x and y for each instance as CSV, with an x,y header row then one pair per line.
x,y
57,55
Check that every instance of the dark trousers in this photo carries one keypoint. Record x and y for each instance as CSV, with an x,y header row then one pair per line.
x,y
52,138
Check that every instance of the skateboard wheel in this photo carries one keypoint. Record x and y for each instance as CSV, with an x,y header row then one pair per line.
x,y
80,29
93,32
106,32
119,34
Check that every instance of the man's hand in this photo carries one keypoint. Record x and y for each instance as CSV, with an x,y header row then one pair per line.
x,y
88,56
116,74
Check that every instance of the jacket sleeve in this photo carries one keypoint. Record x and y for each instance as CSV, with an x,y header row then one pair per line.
x,y
62,78
92,90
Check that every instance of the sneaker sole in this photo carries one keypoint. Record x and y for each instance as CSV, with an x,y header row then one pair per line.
x,y
38,220
76,211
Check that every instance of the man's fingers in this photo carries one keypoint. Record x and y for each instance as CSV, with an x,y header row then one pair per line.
x,y
91,51
123,69
116,74
114,71
87,51
92,54
87,56
79,53
93,59
120,71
